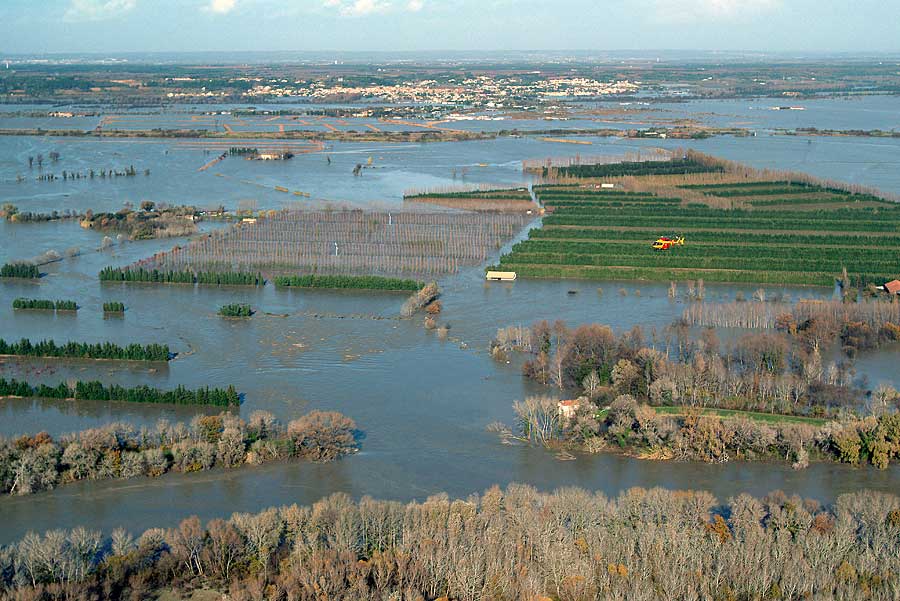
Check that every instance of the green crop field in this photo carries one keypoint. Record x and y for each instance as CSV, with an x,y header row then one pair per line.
x,y
772,237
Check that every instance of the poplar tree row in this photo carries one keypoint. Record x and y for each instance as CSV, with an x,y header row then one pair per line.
x,y
86,350
45,304
97,391
20,270
228,278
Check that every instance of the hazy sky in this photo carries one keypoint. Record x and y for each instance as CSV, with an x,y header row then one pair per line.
x,y
36,26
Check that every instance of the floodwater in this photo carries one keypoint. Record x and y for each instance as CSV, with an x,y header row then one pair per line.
x,y
423,403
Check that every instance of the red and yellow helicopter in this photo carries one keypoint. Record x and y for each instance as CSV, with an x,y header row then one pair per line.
x,y
667,242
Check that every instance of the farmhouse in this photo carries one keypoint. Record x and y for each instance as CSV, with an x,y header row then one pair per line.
x,y
567,409
893,287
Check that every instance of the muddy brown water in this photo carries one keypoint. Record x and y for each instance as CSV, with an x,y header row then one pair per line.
x,y
423,403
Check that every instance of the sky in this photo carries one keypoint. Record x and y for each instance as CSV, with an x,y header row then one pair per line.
x,y
110,26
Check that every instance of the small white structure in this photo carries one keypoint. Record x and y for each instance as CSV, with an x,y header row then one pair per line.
x,y
248,220
567,409
606,186
500,276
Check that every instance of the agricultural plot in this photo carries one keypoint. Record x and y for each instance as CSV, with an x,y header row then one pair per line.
x,y
789,231
789,195
507,201
348,242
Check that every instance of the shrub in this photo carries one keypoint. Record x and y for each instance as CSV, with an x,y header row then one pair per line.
x,y
114,307
235,310
322,435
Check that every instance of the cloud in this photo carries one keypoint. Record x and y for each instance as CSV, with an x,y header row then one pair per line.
x,y
221,7
698,11
97,10
359,8
415,6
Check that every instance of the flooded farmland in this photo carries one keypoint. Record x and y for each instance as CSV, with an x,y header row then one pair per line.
x,y
423,402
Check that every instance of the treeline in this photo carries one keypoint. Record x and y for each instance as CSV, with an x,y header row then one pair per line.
x,y
86,350
129,171
30,464
635,168
97,391
44,304
365,282
504,545
228,278
114,307
11,212
235,310
19,270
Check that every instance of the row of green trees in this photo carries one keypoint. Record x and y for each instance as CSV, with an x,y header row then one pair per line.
x,y
761,238
678,274
688,222
646,257
45,304
821,200
139,274
86,350
696,249
235,310
97,391
364,282
506,192
20,270
772,191
61,305
865,218
637,168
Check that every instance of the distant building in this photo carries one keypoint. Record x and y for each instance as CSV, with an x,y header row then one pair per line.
x,y
273,156
893,287
567,409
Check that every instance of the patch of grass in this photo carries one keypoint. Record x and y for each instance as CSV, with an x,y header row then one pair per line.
x,y
771,418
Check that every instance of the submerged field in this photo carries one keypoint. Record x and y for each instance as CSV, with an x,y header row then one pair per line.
x,y
395,243
739,226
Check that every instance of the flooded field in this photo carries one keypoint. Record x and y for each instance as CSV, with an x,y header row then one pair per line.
x,y
424,403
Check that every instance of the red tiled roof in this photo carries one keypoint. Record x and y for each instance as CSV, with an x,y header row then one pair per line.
x,y
893,287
